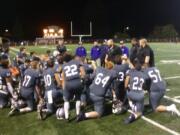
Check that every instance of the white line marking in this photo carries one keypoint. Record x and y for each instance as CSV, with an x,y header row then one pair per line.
x,y
168,90
176,97
158,125
172,77
172,99
16,50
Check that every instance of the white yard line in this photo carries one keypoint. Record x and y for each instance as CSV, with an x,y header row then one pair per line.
x,y
154,123
172,77
16,50
168,90
176,97
172,99
160,126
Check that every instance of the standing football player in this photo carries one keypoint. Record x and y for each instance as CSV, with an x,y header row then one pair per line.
x,y
61,47
72,75
21,55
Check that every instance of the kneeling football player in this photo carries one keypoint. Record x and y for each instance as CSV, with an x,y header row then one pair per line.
x,y
119,93
29,84
52,93
6,89
103,79
134,86
157,90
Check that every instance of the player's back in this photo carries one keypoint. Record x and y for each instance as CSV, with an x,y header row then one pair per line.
x,y
3,74
49,79
31,79
156,82
102,81
121,71
22,69
137,80
71,70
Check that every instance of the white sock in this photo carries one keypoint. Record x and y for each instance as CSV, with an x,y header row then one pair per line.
x,y
168,108
24,110
66,109
78,107
87,115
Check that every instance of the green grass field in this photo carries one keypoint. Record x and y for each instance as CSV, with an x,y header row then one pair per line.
x,y
27,124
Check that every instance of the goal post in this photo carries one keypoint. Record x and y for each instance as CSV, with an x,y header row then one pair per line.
x,y
81,35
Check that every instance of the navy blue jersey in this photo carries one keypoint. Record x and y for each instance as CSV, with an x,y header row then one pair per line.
x,y
137,80
88,68
121,71
4,73
22,69
62,49
21,56
49,79
31,79
156,82
102,81
72,70
57,68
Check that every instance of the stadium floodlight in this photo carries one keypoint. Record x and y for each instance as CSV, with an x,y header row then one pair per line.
x,y
45,31
127,28
61,31
6,30
56,35
81,35
51,30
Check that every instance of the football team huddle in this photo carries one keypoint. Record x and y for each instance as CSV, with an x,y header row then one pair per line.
x,y
53,83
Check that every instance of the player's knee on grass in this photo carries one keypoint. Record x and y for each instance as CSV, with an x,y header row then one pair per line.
x,y
99,108
155,98
139,107
50,108
3,100
137,97
30,104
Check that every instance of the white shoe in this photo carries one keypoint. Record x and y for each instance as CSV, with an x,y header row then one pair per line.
x,y
174,110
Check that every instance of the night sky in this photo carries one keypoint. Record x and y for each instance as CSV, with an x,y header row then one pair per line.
x,y
108,16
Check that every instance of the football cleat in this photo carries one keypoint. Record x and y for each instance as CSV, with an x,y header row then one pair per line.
x,y
13,112
80,117
130,119
40,115
174,110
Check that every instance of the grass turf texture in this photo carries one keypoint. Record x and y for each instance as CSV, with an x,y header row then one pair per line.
x,y
109,125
